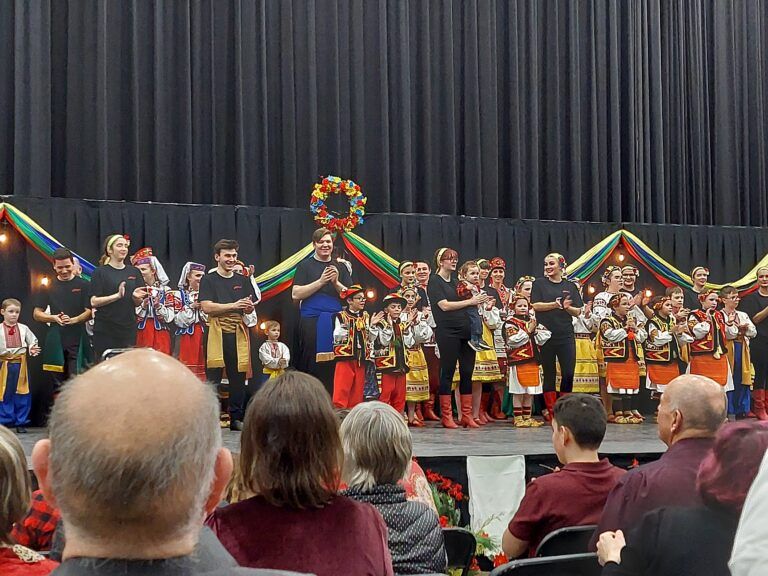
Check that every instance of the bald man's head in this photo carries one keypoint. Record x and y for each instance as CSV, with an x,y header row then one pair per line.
x,y
692,406
133,446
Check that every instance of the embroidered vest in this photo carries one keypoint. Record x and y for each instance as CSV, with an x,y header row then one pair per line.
x,y
714,341
391,357
618,351
526,352
666,352
355,345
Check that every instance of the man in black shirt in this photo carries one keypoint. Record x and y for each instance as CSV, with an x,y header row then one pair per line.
x,y
65,306
229,300
556,300
756,306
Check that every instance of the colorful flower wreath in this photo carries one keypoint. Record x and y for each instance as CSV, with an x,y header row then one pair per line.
x,y
331,220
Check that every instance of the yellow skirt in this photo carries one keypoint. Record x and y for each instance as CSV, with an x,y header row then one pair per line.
x,y
417,379
586,376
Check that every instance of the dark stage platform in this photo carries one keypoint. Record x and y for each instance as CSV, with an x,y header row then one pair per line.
x,y
499,439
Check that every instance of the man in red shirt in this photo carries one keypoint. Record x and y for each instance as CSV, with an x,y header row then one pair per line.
x,y
575,494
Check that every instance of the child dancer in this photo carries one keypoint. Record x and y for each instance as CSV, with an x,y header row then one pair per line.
x,y
190,319
351,349
710,332
662,348
499,292
612,283
467,287
524,336
486,372
274,355
417,379
737,345
391,337
16,341
156,311
586,377
621,339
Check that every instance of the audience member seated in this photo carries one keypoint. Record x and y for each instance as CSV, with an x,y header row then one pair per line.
x,y
575,494
674,541
15,559
377,455
36,529
291,459
134,463
691,411
750,554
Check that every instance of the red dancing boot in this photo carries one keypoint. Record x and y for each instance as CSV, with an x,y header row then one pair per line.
x,y
466,412
496,401
549,401
428,409
759,397
446,412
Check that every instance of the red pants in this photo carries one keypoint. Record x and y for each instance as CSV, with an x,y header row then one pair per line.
x,y
393,391
159,340
348,383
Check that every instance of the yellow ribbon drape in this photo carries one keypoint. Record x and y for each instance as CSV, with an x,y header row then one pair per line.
x,y
22,384
746,361
215,356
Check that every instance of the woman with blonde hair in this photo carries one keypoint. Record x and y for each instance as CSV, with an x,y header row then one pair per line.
x,y
15,493
377,455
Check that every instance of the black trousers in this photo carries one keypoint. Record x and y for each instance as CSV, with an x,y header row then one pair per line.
x,y
237,393
564,352
305,357
70,366
760,362
106,339
455,349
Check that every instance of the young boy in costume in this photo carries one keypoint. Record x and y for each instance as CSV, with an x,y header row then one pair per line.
x,y
350,348
16,342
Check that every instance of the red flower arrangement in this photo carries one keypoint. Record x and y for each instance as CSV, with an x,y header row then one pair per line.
x,y
446,493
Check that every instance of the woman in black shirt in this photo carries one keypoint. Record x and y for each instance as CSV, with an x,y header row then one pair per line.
x,y
556,301
452,334
116,288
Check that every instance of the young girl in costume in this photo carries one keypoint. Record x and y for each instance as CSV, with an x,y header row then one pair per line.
x,y
499,292
612,282
586,378
417,379
710,331
620,340
662,348
523,338
155,313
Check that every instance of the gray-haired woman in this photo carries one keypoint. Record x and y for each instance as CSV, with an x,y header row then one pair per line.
x,y
377,454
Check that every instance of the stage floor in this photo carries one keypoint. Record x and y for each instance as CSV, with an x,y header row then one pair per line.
x,y
498,439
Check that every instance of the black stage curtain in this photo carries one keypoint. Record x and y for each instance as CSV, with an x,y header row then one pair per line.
x,y
601,110
179,233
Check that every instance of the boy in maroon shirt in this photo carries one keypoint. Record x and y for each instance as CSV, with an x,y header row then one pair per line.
x,y
571,496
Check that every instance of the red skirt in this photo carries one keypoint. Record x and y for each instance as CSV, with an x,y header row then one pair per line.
x,y
149,337
623,375
191,352
708,365
663,374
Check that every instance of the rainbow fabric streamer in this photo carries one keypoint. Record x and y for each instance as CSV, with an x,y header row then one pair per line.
x,y
280,278
378,262
385,268
664,272
37,237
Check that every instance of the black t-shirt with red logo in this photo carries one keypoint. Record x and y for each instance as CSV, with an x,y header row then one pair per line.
x,y
216,288
72,297
118,317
